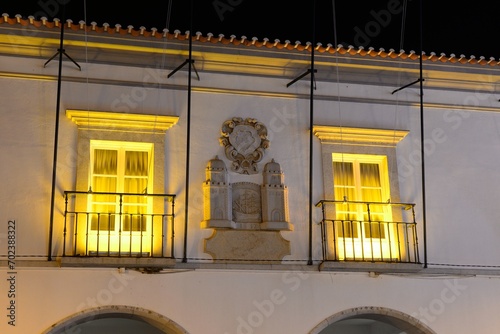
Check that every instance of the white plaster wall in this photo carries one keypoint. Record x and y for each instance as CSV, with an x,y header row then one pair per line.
x,y
26,134
461,178
461,174
461,167
207,302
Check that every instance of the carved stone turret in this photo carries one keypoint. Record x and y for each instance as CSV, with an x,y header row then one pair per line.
x,y
217,208
272,174
274,198
216,171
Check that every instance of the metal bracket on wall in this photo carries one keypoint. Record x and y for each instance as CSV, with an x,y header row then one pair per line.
x,y
408,85
63,52
309,71
187,61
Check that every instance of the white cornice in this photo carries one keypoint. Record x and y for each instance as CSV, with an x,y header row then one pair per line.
x,y
110,121
330,134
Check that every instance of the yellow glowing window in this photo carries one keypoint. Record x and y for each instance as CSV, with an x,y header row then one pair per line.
x,y
122,172
361,181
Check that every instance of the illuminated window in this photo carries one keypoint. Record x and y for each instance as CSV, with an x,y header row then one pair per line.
x,y
120,179
361,181
361,185
119,170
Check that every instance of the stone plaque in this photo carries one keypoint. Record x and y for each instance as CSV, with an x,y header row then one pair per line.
x,y
237,246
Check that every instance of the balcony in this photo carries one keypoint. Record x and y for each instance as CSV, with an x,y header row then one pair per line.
x,y
360,234
118,229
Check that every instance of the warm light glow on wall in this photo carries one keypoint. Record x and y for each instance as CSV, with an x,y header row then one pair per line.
x,y
110,121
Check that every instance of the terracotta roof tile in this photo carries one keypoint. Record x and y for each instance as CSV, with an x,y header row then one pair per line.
x,y
243,40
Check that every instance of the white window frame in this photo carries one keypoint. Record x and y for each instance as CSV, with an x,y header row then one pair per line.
x,y
102,125
361,209
121,147
362,142
119,127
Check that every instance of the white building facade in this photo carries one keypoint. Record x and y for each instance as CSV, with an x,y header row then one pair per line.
x,y
241,194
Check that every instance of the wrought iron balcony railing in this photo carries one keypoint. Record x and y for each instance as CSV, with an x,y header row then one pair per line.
x,y
118,224
369,231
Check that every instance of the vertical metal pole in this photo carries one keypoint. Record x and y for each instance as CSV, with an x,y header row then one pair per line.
x,y
188,134
172,248
86,234
120,223
56,140
98,231
422,150
142,234
311,120
415,238
65,222
323,231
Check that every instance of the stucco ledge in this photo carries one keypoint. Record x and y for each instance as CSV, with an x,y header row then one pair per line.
x,y
375,267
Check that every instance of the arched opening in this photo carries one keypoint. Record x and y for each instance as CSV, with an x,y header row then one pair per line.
x,y
371,320
116,319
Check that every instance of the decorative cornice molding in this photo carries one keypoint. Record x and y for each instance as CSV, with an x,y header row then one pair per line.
x,y
123,122
329,134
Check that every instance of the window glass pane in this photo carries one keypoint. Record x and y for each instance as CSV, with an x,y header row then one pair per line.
x,y
105,185
136,163
369,174
375,230
103,217
347,229
345,211
105,162
134,220
348,192
135,185
343,173
371,194
343,180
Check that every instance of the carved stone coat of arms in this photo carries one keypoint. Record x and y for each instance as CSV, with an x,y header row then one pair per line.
x,y
245,141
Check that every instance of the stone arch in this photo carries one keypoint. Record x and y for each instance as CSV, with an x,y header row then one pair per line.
x,y
117,311
400,320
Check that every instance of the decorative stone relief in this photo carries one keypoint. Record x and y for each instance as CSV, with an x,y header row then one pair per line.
x,y
244,141
246,217
245,205
246,202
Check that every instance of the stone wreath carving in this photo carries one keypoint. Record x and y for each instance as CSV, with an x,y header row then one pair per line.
x,y
244,141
